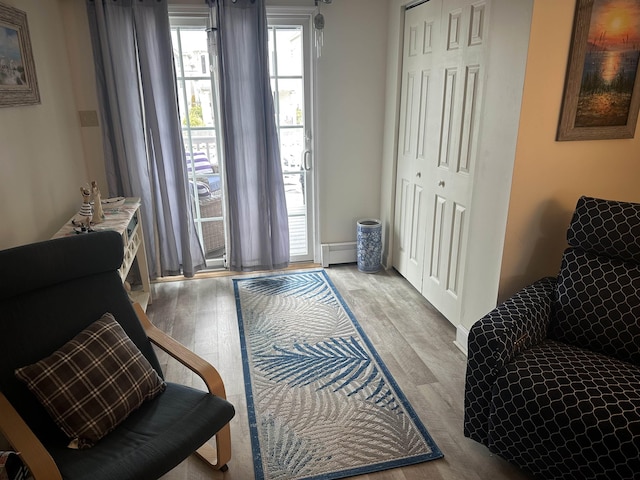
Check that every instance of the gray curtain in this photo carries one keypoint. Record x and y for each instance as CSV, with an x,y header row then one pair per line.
x,y
259,230
144,152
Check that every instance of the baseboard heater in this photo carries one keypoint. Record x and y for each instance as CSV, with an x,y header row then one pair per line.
x,y
333,253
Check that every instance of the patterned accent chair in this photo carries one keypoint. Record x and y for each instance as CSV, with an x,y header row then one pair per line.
x,y
553,373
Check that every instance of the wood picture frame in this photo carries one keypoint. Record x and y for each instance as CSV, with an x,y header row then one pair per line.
x,y
18,82
602,88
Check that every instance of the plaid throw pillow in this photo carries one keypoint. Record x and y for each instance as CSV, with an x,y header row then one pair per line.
x,y
93,382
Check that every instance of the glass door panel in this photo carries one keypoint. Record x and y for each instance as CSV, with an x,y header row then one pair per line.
x,y
290,69
290,83
198,118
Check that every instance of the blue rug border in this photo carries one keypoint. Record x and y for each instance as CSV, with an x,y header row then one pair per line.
x,y
253,428
251,411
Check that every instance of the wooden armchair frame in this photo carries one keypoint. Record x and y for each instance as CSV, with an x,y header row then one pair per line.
x,y
217,458
41,464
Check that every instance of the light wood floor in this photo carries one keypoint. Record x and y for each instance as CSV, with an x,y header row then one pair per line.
x,y
413,339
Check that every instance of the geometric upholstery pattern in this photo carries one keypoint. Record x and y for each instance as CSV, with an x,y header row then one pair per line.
x,y
598,305
606,227
559,408
515,325
553,373
203,170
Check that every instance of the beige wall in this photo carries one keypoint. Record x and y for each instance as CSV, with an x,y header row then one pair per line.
x,y
79,50
41,158
550,176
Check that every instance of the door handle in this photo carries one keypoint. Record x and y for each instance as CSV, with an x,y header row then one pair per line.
x,y
441,183
419,174
306,160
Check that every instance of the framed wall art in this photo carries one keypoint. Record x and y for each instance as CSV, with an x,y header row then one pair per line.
x,y
18,83
602,88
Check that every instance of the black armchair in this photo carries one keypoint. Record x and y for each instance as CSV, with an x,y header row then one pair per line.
x,y
553,374
49,292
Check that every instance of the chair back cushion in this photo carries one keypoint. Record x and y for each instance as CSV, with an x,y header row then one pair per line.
x,y
49,292
200,163
606,227
598,290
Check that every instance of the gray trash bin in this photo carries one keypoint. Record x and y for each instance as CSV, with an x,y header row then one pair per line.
x,y
369,245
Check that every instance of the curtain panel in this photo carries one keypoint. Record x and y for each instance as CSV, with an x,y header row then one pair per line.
x,y
143,147
258,222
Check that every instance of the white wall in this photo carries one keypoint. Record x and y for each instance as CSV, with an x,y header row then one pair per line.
x,y
393,73
350,108
41,158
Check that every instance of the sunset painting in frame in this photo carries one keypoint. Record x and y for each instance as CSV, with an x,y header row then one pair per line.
x,y
601,95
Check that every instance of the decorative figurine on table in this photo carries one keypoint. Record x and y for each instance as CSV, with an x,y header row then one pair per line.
x,y
86,211
98,214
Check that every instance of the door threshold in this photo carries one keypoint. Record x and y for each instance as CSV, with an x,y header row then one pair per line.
x,y
215,273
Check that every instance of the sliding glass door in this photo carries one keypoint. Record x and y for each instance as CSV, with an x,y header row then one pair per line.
x,y
291,82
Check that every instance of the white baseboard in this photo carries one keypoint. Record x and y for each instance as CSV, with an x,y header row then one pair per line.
x,y
333,253
462,337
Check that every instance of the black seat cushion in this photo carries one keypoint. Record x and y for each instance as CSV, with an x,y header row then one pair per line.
x,y
558,408
151,441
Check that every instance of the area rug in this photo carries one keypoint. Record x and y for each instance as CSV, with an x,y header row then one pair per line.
x,y
321,403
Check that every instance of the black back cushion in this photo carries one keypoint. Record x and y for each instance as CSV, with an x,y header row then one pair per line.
x,y
598,291
50,291
598,305
606,227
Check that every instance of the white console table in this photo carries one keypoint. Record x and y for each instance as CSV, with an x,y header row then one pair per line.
x,y
127,221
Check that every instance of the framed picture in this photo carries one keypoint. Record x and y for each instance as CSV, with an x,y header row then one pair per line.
x,y
602,89
18,83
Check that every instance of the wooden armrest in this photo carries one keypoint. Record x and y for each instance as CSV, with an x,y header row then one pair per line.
x,y
216,457
197,364
24,441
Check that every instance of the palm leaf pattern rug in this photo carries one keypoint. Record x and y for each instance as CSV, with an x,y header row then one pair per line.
x,y
321,403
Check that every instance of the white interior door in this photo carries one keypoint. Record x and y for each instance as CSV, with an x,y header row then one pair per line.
x,y
452,153
435,179
419,78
